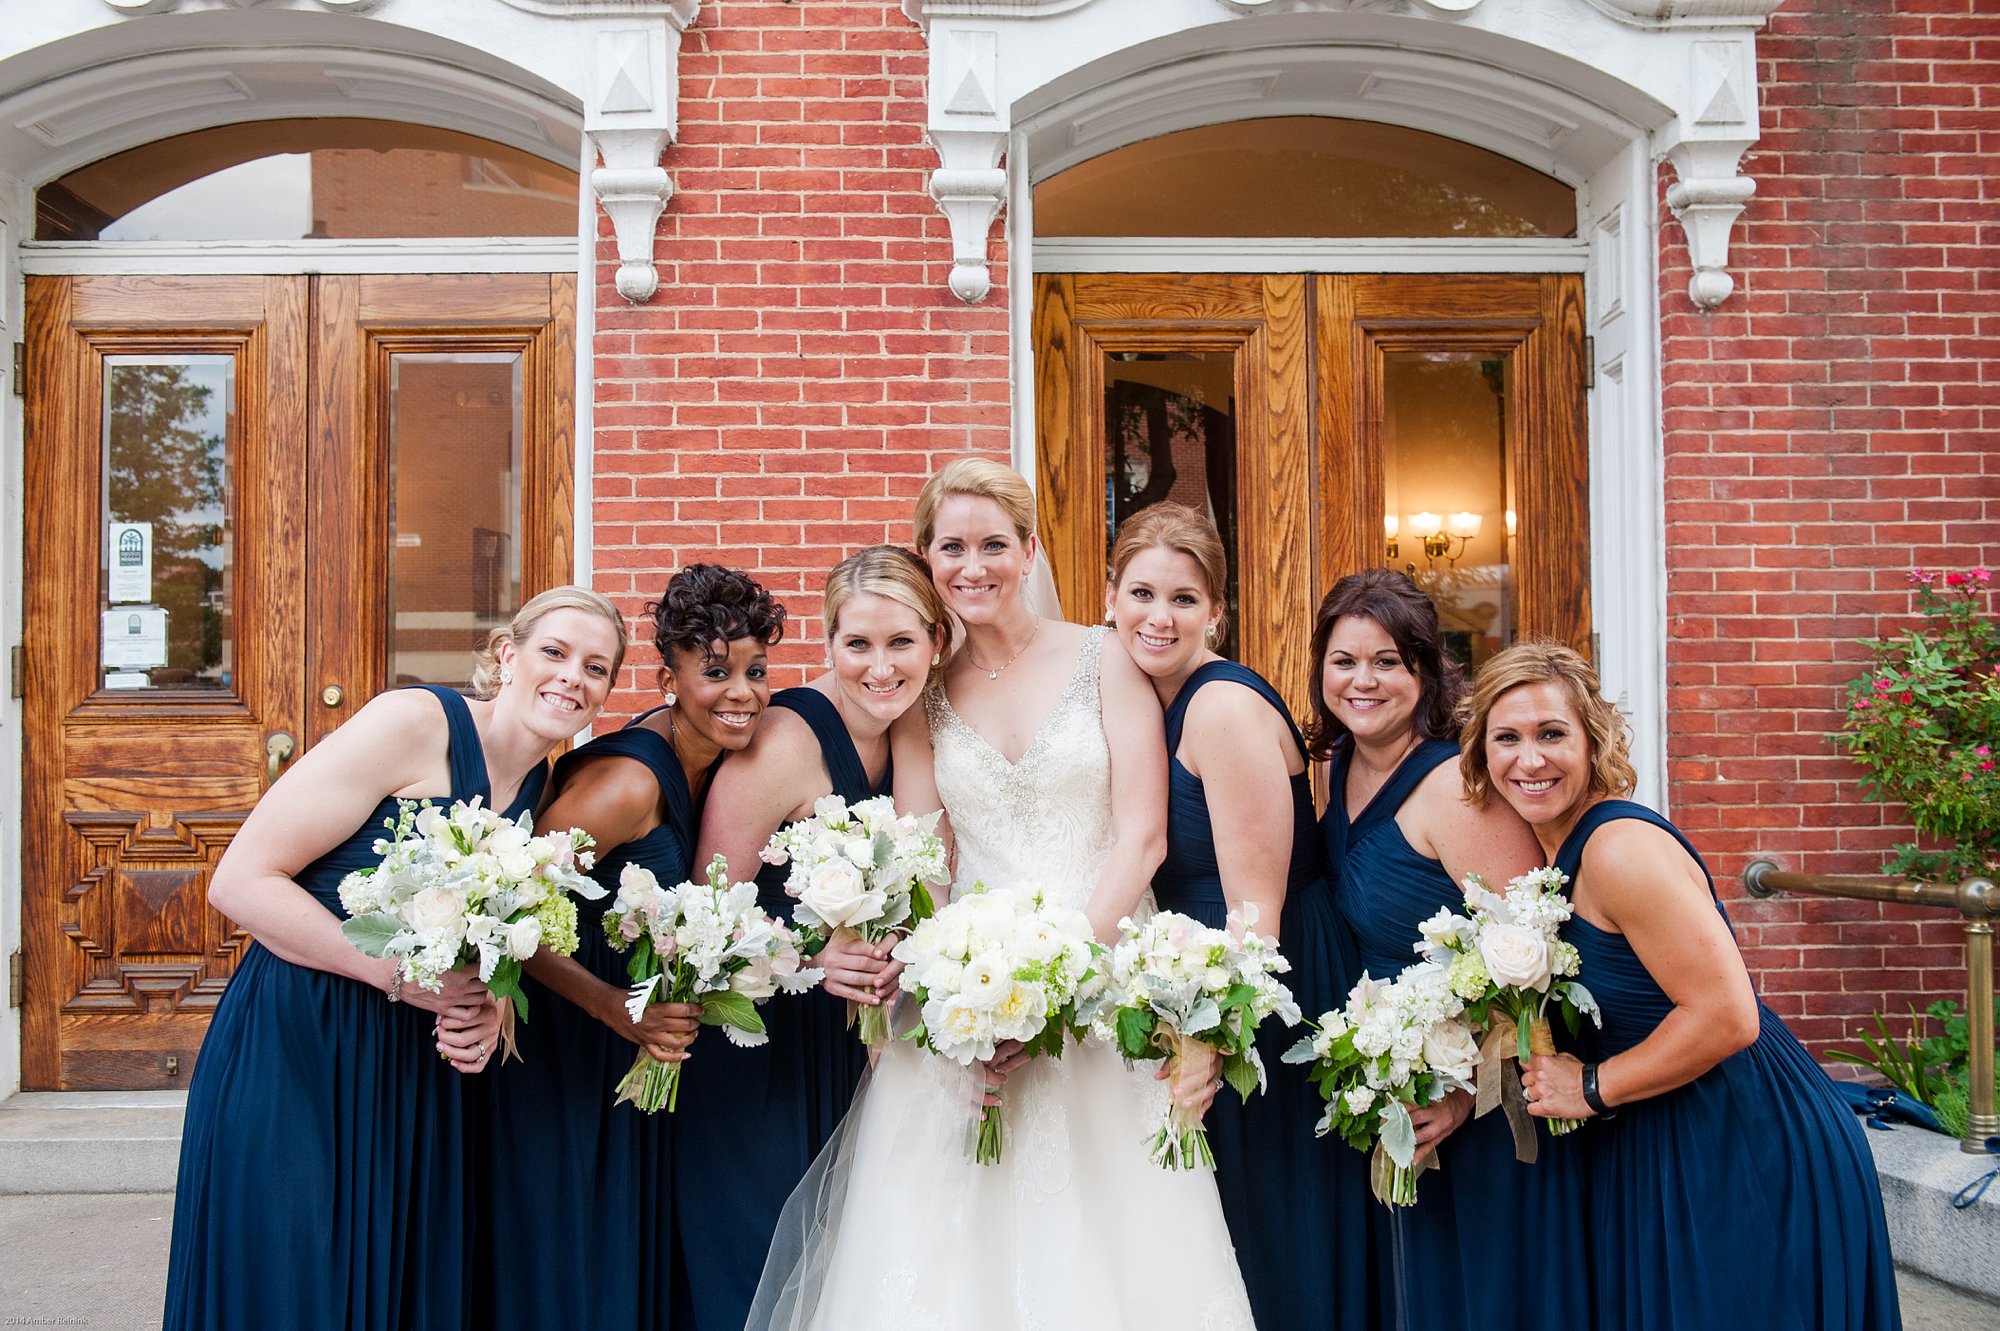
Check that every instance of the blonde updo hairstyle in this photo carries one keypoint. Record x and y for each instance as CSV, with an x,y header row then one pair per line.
x,y
894,573
486,660
1183,530
1543,662
983,478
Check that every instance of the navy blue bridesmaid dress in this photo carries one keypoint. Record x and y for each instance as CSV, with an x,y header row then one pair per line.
x,y
1297,1208
1747,1197
576,1227
751,1121
1491,1243
322,1176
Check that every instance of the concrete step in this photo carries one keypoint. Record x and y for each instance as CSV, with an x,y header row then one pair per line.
x,y
1920,1172
90,1141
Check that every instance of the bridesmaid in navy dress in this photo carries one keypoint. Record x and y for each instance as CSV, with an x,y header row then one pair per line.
x,y
1401,836
323,1163
1240,834
751,1121
1729,1186
608,1253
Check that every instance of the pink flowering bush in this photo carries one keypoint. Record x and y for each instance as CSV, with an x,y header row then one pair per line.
x,y
1924,723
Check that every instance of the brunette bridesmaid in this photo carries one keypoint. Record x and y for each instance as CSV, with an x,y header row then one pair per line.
x,y
579,1228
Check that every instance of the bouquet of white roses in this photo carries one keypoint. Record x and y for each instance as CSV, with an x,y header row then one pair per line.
x,y
1177,983
1507,963
863,868
995,966
707,943
468,885
1397,1045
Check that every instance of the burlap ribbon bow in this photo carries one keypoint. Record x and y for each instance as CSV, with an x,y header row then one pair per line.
x,y
1500,1079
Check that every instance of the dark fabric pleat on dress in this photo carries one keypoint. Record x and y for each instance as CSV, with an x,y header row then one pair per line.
x,y
1296,1206
1447,1261
752,1121
576,1227
322,1175
1747,1197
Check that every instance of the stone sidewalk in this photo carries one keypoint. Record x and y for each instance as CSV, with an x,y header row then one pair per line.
x,y
100,1261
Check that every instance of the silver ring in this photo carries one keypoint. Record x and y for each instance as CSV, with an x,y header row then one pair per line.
x,y
482,1049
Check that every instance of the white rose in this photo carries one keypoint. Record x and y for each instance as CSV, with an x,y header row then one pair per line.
x,y
839,895
436,909
1450,1049
523,937
1515,956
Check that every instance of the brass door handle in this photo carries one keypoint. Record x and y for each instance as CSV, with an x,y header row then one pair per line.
x,y
278,751
332,695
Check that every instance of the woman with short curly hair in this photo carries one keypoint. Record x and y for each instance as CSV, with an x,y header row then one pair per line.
x,y
601,1172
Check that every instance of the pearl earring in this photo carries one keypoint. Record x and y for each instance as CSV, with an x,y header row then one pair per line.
x,y
672,697
506,674
937,658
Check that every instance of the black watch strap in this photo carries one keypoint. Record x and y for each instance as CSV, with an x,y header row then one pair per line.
x,y
1591,1095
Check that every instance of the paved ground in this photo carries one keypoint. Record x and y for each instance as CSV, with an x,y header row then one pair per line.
x,y
99,1261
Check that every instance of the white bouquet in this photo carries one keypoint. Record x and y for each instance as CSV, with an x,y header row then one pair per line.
x,y
707,943
861,868
1177,983
468,885
1506,961
995,966
1397,1045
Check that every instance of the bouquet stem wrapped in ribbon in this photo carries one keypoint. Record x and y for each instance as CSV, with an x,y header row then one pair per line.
x,y
1394,1046
706,943
1505,959
860,868
1178,987
997,966
467,885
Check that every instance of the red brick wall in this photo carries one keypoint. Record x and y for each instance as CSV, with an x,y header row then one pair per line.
x,y
803,367
1834,422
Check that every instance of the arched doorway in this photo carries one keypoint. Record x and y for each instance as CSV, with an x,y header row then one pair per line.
x,y
254,498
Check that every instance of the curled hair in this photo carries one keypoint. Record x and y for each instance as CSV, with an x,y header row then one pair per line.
x,y
706,607
984,478
894,573
486,660
1409,618
1540,662
1184,531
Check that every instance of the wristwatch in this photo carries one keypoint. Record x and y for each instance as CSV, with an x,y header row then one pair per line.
x,y
1591,1095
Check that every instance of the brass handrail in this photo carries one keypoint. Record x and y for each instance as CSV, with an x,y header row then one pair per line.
x,y
1978,900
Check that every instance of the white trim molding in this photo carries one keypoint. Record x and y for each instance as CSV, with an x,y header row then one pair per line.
x,y
82,79
1681,74
479,254
1260,254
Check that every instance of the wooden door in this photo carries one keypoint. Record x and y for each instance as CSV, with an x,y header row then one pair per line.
x,y
210,491
1194,388
1313,410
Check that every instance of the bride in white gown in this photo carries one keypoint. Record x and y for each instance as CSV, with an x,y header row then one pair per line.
x,y
1074,1228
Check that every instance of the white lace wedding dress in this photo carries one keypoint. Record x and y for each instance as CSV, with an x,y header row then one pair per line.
x,y
1074,1228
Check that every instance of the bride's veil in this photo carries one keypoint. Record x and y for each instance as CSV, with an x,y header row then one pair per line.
x,y
1040,589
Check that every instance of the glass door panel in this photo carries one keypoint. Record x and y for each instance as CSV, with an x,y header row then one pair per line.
x,y
454,547
1447,493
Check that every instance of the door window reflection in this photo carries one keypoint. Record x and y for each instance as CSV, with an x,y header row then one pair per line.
x,y
165,544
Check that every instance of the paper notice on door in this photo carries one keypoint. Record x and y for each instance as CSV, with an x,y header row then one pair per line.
x,y
135,637
131,563
127,679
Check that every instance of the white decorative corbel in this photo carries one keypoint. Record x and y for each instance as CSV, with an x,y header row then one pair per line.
x,y
1708,194
632,116
968,128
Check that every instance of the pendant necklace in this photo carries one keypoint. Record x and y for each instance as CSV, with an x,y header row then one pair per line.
x,y
995,672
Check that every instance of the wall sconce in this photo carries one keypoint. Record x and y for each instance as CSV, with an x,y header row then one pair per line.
x,y
1392,548
1445,538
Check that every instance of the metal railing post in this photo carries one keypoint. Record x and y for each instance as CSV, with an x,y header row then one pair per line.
x,y
1978,901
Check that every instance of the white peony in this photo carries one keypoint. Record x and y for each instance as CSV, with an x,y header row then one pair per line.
x,y
985,983
1515,955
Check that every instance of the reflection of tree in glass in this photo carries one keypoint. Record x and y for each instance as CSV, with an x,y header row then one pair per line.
x,y
167,465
